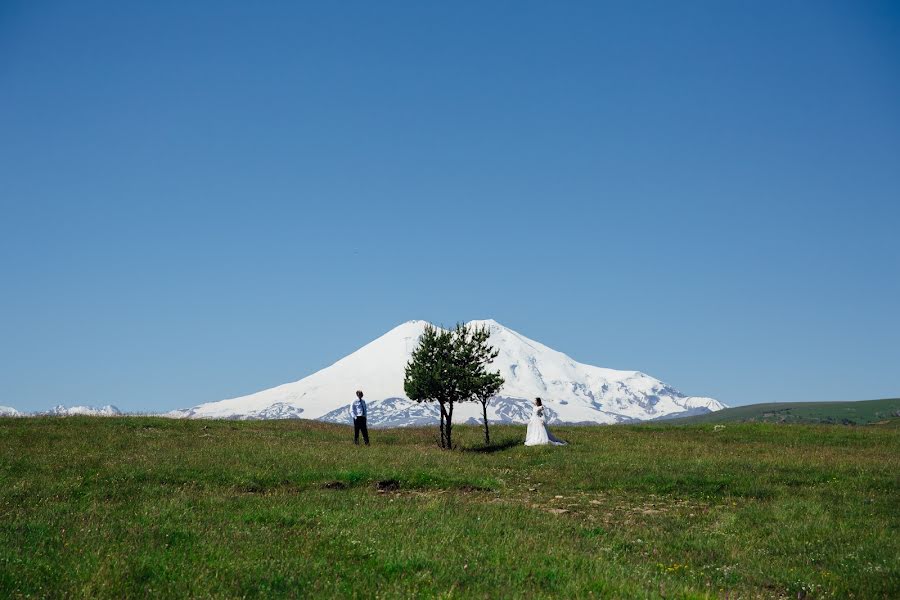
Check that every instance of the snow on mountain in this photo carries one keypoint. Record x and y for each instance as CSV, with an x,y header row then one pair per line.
x,y
573,392
701,402
9,411
63,411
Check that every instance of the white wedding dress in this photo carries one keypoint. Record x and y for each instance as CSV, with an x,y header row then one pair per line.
x,y
537,434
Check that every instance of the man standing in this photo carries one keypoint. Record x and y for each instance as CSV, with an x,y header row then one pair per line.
x,y
358,410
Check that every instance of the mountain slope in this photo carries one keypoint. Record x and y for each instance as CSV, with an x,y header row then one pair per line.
x,y
575,392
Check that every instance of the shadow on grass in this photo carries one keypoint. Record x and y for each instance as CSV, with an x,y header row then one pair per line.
x,y
498,447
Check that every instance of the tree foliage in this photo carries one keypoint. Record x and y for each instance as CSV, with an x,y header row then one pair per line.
x,y
481,385
448,367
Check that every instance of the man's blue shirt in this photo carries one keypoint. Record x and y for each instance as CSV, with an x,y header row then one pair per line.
x,y
358,409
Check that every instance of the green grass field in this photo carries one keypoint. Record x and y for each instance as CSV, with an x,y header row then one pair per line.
x,y
863,412
148,507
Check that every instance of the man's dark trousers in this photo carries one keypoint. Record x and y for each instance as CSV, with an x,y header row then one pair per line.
x,y
359,424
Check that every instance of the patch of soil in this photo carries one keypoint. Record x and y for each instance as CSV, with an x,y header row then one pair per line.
x,y
334,485
473,488
387,485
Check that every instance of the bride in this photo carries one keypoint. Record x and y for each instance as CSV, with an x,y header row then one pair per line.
x,y
537,428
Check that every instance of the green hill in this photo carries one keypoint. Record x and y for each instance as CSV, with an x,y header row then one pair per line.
x,y
863,412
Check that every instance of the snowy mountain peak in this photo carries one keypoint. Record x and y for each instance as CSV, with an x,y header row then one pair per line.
x,y
104,411
573,392
491,324
64,411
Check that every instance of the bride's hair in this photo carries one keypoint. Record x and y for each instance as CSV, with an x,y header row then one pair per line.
x,y
537,402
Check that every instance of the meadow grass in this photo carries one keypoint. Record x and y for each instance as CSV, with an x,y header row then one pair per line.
x,y
149,507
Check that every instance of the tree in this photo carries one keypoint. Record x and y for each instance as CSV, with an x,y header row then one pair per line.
x,y
486,389
428,373
448,367
477,354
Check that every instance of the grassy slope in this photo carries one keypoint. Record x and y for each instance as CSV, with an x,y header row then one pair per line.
x,y
127,507
849,413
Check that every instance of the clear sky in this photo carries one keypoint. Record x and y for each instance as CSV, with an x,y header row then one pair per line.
x,y
205,199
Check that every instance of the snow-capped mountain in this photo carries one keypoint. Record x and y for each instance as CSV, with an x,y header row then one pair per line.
x,y
67,411
573,392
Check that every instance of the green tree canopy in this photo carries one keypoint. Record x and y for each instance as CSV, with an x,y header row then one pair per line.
x,y
449,367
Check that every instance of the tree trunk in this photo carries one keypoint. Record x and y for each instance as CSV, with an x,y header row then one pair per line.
x,y
487,433
443,431
449,427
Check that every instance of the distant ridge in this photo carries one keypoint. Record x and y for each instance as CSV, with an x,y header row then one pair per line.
x,y
90,411
859,412
64,411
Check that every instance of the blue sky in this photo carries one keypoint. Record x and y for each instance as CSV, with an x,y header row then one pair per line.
x,y
203,201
